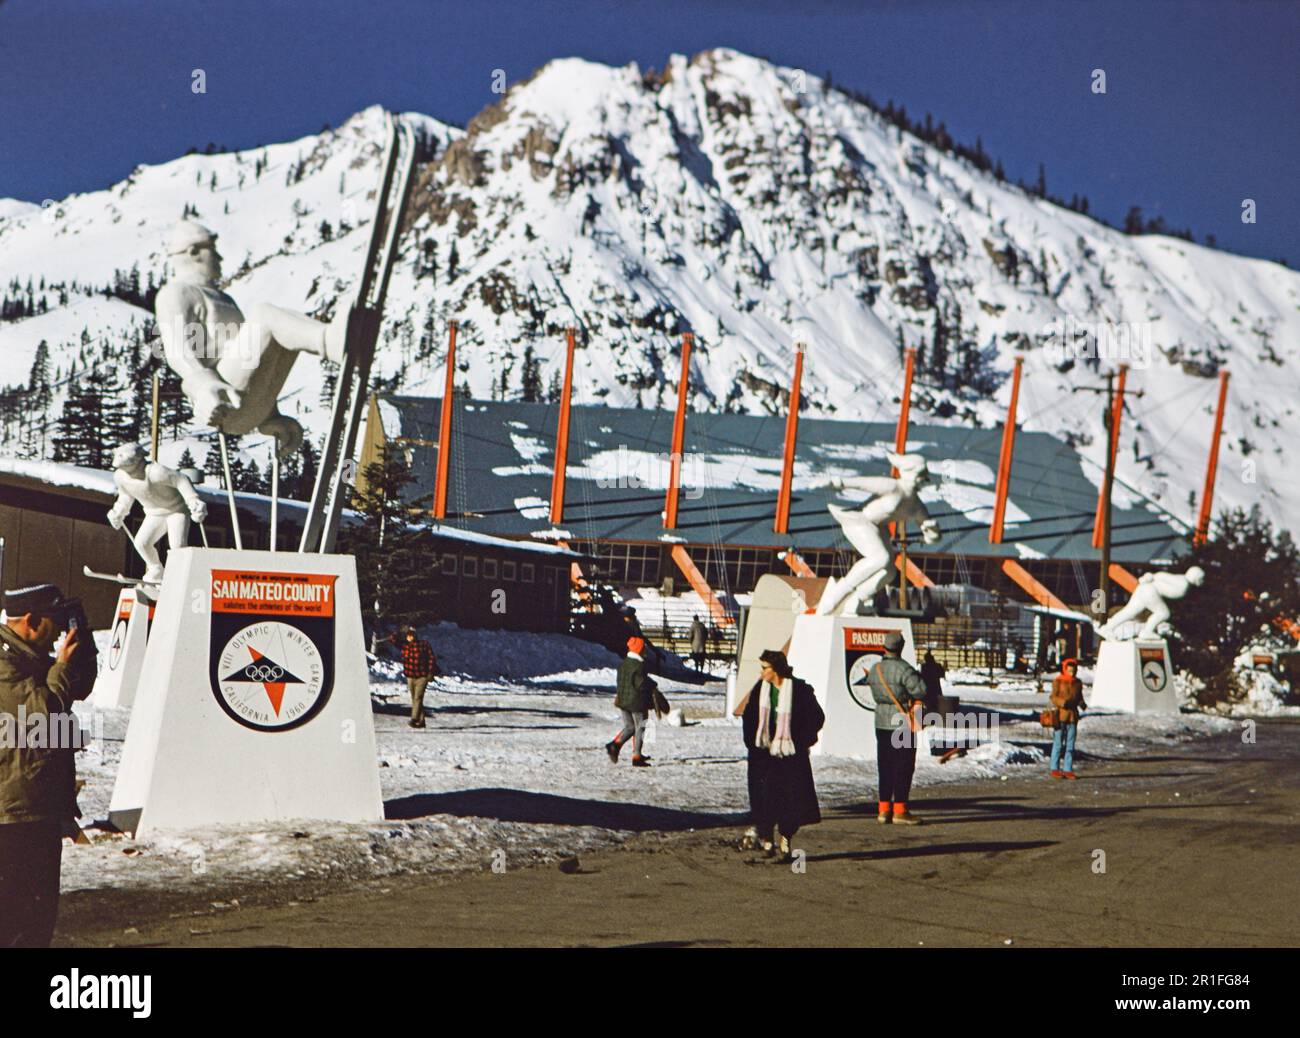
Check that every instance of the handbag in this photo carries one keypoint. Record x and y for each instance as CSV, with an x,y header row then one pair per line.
x,y
912,726
659,701
1049,718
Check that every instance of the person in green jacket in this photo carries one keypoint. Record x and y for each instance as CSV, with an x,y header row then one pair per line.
x,y
633,697
899,693
38,736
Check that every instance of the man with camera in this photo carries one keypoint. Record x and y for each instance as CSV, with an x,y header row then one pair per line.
x,y
38,773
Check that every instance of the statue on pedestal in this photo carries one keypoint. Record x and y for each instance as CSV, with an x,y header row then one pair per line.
x,y
232,368
167,497
895,500
1151,596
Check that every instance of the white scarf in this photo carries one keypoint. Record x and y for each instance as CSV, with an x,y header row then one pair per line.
x,y
783,744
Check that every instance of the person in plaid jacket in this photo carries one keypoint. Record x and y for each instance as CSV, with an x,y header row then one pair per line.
x,y
419,664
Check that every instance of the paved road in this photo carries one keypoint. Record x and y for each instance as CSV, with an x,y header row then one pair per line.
x,y
1199,849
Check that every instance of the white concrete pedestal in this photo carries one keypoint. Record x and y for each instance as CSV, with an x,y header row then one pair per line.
x,y
1135,676
834,654
120,669
254,701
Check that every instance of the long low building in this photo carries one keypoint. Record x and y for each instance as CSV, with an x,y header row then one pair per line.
x,y
499,481
52,523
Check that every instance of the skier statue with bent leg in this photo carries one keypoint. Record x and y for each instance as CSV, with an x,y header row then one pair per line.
x,y
1152,596
233,367
167,497
894,500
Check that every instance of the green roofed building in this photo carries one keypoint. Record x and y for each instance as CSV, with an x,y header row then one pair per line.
x,y
500,476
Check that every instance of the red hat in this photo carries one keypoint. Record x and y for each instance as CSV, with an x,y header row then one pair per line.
x,y
635,644
1065,663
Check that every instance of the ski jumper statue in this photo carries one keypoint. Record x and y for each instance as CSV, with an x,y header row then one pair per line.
x,y
1152,596
233,367
167,497
895,500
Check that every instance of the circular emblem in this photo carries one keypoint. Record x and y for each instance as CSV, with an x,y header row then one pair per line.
x,y
1154,676
115,646
859,686
270,677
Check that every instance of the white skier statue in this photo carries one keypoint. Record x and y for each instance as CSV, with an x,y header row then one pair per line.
x,y
1152,596
167,497
233,367
894,500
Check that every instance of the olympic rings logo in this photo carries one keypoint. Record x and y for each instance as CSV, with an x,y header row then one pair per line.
x,y
265,672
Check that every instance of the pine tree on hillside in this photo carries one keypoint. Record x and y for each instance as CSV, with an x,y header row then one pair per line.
x,y
394,552
531,379
94,422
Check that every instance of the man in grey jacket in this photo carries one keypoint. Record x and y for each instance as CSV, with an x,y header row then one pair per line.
x,y
899,693
38,737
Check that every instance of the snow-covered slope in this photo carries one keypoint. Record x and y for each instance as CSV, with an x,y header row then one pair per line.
x,y
735,199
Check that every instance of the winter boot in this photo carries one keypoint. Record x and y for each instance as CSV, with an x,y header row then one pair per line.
x,y
1057,773
1070,775
883,813
749,840
612,748
784,847
640,762
904,817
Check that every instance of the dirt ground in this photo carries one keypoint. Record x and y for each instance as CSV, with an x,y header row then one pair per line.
x,y
1184,848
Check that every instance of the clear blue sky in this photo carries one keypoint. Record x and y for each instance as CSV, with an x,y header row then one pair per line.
x,y
1200,111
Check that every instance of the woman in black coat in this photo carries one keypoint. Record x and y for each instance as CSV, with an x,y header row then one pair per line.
x,y
781,790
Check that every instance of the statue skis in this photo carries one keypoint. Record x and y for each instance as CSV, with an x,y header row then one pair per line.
x,y
321,526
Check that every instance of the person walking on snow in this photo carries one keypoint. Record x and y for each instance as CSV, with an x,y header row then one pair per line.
x,y
633,698
780,722
1067,697
932,673
698,634
899,693
419,664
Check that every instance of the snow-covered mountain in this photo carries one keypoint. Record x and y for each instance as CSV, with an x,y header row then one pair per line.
x,y
727,196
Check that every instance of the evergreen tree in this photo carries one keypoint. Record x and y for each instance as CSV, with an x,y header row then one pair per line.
x,y
390,540
94,422
1252,574
531,379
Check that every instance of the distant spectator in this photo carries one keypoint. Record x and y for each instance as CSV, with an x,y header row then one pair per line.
x,y
633,697
698,637
932,673
899,692
780,721
1067,697
419,664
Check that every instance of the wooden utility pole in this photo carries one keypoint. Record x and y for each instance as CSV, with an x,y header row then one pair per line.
x,y
1111,419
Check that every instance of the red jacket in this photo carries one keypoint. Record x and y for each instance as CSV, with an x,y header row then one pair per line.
x,y
418,660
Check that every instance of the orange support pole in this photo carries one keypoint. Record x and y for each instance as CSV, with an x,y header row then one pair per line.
x,y
562,438
1212,470
1030,585
1116,415
797,564
904,415
698,584
1123,577
679,435
1004,459
444,430
905,412
782,522
915,576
